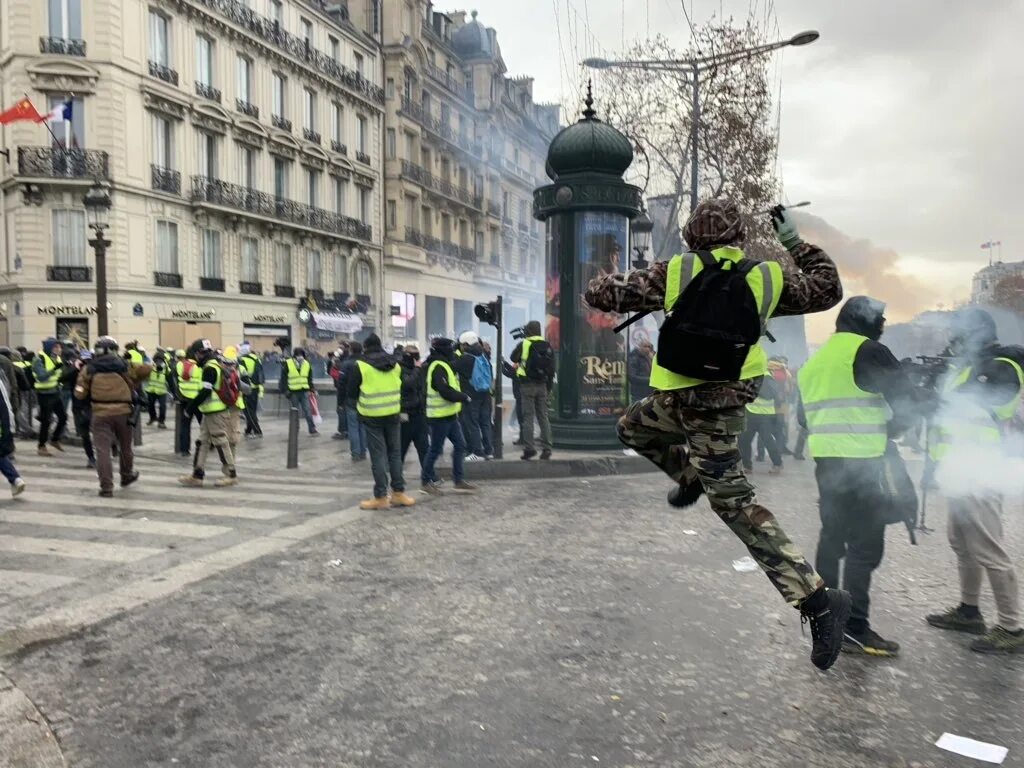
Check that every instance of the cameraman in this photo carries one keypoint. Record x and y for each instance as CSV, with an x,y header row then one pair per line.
x,y
535,368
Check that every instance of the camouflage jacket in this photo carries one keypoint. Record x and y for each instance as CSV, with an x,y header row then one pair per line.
x,y
814,287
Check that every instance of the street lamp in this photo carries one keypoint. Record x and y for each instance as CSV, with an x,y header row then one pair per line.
x,y
97,207
641,228
694,67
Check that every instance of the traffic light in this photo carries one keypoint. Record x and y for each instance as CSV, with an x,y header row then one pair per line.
x,y
489,313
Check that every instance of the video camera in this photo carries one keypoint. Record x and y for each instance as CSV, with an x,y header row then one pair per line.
x,y
518,333
929,370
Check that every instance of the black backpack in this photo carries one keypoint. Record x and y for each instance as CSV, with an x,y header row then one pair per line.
x,y
540,364
713,323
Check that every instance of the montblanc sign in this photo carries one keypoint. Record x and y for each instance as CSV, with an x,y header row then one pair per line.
x,y
65,309
191,314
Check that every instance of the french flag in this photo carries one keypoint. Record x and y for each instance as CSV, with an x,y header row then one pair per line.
x,y
60,113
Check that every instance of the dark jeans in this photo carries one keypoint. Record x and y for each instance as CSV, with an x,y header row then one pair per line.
x,y
300,399
851,527
109,431
762,425
342,416
157,407
415,430
441,430
252,415
476,423
384,439
83,424
801,441
184,436
49,405
8,470
356,433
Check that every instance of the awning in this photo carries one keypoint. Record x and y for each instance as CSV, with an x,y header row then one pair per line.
x,y
339,323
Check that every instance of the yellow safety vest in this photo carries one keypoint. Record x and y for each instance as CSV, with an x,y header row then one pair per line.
x,y
156,384
972,424
843,420
380,393
134,356
437,406
765,281
213,404
298,376
762,406
527,343
54,380
188,386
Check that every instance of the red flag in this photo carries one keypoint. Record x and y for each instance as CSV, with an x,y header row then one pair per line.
x,y
23,110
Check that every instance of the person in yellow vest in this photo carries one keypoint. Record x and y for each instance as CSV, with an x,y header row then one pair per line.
x,y
229,362
213,430
155,388
46,371
185,383
375,385
690,427
297,382
854,396
251,368
445,399
761,422
980,397
535,370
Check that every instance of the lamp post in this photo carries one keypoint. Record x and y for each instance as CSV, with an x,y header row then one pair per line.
x,y
695,67
97,206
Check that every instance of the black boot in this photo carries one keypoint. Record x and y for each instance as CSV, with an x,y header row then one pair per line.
x,y
867,642
963,618
683,496
827,611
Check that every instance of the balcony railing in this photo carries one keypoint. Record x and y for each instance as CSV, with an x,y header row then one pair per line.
x,y
362,157
316,293
338,147
493,208
250,288
281,122
462,90
69,274
67,46
439,127
167,279
270,31
217,192
59,163
163,72
412,109
207,91
522,173
284,291
211,284
426,179
166,180
310,135
247,108
439,247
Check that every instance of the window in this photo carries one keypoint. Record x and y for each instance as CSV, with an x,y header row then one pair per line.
x,y
309,109
335,47
337,123
478,244
312,186
167,247
208,155
361,133
437,320
68,238
163,142
244,79
389,88
159,38
66,18
280,180
69,133
340,273
515,156
403,324
410,147
364,205
340,195
280,88
250,260
360,64
392,143
363,279
392,214
247,167
428,220
277,12
314,272
204,60
212,266
410,212
283,264
307,32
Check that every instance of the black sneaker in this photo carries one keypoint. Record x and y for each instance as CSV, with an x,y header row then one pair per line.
x,y
958,620
126,481
827,627
545,455
869,643
433,489
1000,640
528,454
685,495
799,457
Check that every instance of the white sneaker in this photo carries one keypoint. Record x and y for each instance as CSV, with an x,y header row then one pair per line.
x,y
472,457
17,486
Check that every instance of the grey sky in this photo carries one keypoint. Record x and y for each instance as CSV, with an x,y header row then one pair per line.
x,y
896,123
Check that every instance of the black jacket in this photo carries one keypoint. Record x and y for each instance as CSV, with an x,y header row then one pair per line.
x,y
380,360
439,381
993,382
413,393
6,429
465,363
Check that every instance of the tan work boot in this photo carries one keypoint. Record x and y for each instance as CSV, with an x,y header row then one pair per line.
x,y
381,503
224,482
55,444
42,450
402,499
191,481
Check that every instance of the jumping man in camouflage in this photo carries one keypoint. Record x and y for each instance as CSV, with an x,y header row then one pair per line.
x,y
690,428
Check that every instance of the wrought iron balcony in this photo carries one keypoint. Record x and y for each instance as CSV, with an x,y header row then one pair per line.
x,y
67,46
338,147
59,163
211,284
493,208
341,297
281,122
250,288
462,90
439,249
362,157
316,293
412,109
429,181
310,135
207,91
163,72
217,192
57,274
166,180
167,279
284,291
247,109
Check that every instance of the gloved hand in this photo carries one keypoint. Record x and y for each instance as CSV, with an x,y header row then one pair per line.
x,y
785,229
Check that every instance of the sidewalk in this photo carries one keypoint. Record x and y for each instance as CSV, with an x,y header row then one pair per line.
x,y
26,740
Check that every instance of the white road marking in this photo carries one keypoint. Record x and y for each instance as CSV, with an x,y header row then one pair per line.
x,y
86,550
115,524
27,583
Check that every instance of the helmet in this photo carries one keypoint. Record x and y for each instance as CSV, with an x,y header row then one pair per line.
x,y
230,353
469,339
105,345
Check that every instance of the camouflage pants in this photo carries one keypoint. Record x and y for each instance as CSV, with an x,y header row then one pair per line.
x,y
690,444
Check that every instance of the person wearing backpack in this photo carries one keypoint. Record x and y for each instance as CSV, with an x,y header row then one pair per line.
x,y
535,369
185,383
708,367
476,377
216,397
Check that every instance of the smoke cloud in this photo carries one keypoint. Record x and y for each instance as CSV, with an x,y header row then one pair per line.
x,y
867,268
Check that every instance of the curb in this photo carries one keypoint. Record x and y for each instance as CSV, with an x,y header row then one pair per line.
x,y
558,468
26,738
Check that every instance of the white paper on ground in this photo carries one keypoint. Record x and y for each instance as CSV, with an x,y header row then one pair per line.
x,y
979,750
689,532
744,565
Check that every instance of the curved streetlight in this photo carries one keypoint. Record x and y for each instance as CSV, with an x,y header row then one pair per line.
x,y
97,204
804,38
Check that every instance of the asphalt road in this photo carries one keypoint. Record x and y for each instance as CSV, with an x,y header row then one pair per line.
x,y
554,623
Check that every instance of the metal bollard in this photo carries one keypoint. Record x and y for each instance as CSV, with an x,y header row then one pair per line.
x,y
293,438
137,438
179,425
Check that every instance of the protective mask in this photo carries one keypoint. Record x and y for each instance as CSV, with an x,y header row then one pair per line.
x,y
299,358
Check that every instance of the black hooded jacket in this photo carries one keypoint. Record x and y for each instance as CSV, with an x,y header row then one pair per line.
x,y
439,380
993,382
379,359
